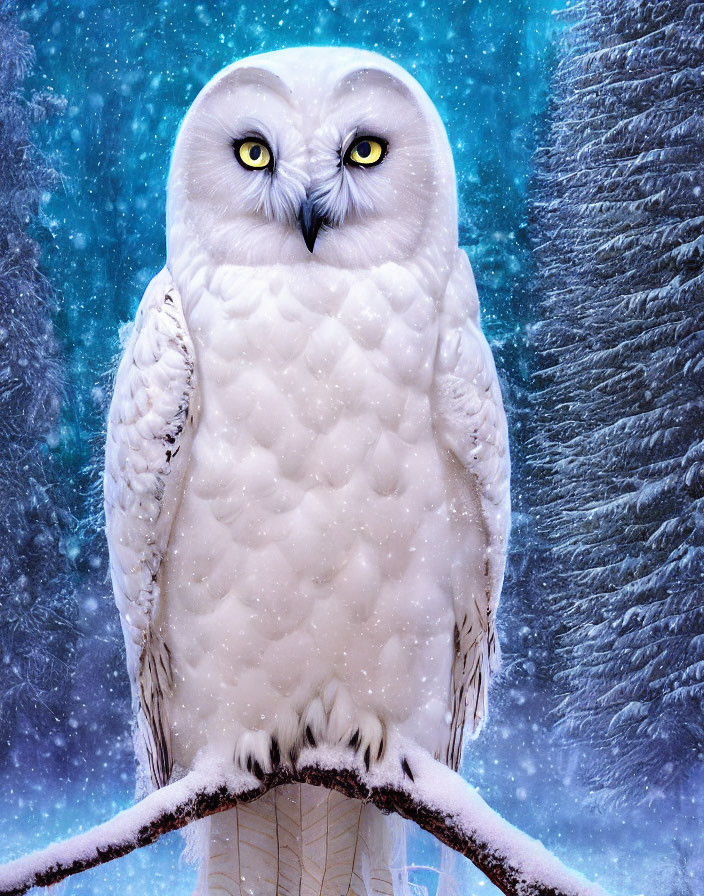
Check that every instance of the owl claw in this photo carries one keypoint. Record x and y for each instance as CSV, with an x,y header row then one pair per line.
x,y
254,752
275,753
407,769
368,740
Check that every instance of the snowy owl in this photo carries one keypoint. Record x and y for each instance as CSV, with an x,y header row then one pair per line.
x,y
307,468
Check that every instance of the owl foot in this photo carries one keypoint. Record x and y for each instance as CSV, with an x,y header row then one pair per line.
x,y
407,769
333,718
330,718
367,740
255,752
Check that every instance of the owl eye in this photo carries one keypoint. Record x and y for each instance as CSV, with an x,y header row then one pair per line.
x,y
253,154
366,151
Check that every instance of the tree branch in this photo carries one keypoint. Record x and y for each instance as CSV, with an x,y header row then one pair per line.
x,y
437,799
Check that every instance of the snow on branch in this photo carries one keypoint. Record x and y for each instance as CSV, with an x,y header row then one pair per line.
x,y
436,798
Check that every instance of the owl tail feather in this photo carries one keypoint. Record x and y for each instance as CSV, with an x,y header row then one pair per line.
x,y
298,840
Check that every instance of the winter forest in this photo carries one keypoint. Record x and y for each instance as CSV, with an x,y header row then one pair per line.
x,y
577,130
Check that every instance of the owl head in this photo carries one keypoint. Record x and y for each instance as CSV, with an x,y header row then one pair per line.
x,y
312,155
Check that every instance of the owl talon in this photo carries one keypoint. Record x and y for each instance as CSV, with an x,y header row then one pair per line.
x,y
407,769
368,739
309,736
275,753
253,752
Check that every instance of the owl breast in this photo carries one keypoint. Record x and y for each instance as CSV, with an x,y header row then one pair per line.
x,y
310,548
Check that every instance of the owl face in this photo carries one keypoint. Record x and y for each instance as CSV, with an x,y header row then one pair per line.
x,y
312,155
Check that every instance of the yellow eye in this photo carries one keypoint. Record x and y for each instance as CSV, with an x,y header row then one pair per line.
x,y
366,151
253,154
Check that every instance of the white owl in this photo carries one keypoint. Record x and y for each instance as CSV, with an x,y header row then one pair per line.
x,y
307,469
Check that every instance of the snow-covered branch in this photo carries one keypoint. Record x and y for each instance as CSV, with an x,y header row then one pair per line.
x,y
436,798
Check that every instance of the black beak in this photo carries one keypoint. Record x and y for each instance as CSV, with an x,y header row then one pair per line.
x,y
310,220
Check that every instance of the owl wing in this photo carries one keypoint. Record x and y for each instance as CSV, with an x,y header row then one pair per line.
x,y
471,428
149,431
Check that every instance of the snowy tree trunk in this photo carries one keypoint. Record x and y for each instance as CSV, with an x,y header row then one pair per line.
x,y
437,799
620,414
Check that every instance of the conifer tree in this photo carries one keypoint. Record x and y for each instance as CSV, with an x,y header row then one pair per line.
x,y
37,611
619,434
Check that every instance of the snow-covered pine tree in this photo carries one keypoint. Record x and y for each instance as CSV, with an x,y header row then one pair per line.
x,y
36,607
619,430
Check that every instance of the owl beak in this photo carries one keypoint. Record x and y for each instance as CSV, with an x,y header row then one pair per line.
x,y
311,220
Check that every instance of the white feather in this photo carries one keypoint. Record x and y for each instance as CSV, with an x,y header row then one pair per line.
x,y
150,426
471,425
